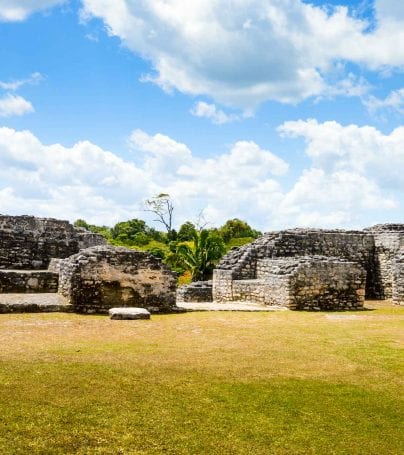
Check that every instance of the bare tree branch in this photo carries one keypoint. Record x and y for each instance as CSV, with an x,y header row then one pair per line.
x,y
162,206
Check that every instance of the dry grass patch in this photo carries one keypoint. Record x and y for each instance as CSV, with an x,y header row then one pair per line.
x,y
220,383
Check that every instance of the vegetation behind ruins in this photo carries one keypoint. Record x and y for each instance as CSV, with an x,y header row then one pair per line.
x,y
192,251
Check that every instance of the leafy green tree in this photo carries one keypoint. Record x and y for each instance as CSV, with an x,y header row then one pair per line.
x,y
237,228
187,231
126,230
202,255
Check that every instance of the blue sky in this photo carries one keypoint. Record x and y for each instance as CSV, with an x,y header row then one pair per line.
x,y
283,113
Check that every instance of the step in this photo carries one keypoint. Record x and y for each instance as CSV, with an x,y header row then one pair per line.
x,y
28,281
34,303
230,306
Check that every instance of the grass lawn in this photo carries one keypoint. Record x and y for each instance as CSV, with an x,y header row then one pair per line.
x,y
203,383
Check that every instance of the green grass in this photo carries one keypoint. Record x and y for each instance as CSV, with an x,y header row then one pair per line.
x,y
203,383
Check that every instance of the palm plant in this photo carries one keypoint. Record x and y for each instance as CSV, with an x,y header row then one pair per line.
x,y
201,256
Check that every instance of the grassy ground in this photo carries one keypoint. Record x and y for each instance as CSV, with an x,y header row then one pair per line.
x,y
203,383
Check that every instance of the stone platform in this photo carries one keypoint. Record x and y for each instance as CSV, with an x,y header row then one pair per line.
x,y
33,303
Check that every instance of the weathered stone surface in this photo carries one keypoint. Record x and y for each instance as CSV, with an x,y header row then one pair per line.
x,y
33,303
398,281
104,277
198,291
129,313
374,249
305,283
28,281
27,242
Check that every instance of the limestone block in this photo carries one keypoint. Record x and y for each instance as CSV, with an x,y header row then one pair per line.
x,y
129,313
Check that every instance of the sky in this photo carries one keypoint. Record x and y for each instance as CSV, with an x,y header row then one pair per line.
x,y
283,113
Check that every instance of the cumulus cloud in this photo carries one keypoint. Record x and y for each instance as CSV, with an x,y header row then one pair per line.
x,y
11,105
211,112
18,10
89,182
364,150
332,199
242,53
247,181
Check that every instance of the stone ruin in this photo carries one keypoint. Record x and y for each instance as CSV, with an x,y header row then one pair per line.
x,y
102,277
301,269
45,255
315,269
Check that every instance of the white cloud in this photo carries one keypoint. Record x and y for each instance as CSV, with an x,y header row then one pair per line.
x,y
333,199
34,78
85,181
18,10
88,182
364,150
14,105
243,53
211,112
394,101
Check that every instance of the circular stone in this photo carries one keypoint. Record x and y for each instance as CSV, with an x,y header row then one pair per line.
x,y
129,313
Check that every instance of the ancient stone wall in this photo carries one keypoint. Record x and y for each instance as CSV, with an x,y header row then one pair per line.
x,y
303,283
398,278
243,271
102,277
27,242
222,287
32,281
355,246
328,284
387,245
198,291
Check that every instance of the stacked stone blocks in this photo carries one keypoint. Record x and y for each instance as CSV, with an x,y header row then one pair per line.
x,y
332,269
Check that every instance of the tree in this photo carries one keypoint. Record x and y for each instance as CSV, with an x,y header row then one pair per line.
x,y
128,229
237,228
163,208
187,231
201,257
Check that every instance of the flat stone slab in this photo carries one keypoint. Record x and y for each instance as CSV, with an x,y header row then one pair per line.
x,y
232,306
129,313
